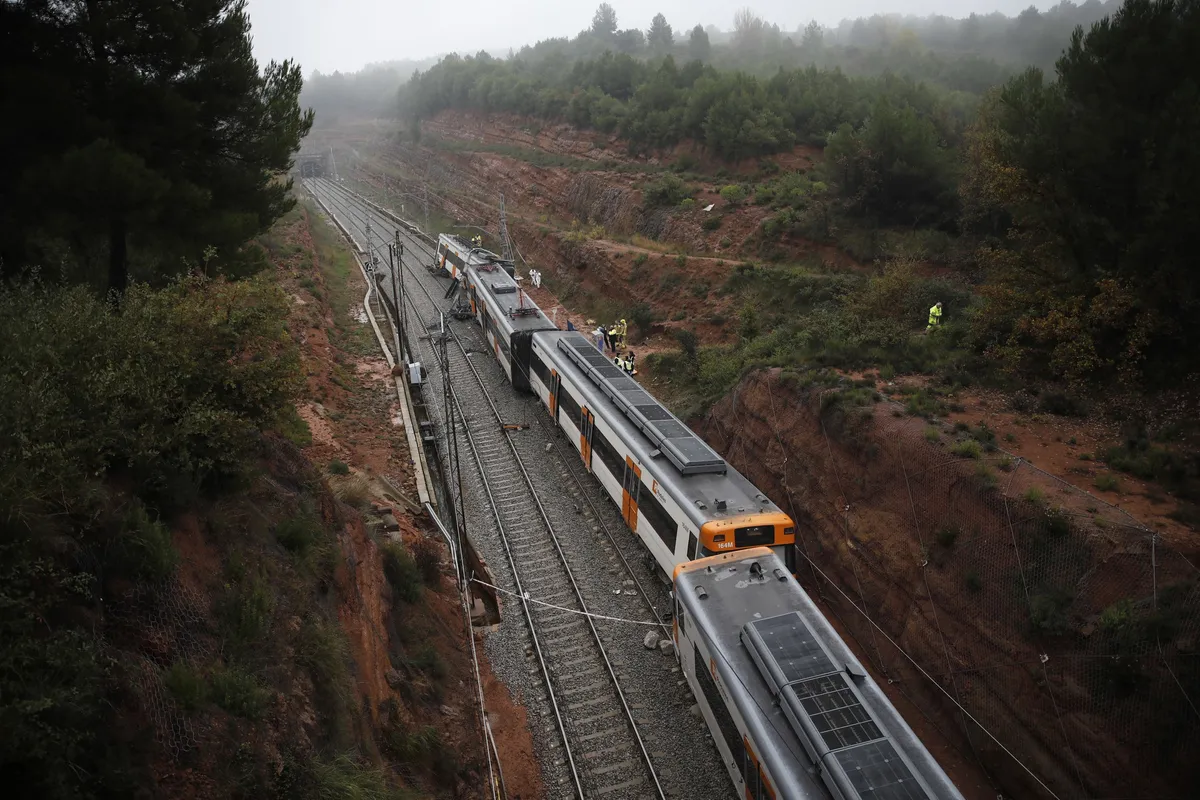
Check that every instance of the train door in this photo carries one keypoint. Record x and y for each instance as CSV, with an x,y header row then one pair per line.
x,y
555,382
629,493
587,424
789,557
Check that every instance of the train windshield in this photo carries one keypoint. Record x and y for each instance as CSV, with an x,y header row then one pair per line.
x,y
754,535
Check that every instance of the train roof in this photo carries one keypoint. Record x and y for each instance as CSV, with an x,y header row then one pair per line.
x,y
804,696
469,254
698,494
519,311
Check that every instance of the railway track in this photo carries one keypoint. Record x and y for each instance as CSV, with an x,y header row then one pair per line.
x,y
604,754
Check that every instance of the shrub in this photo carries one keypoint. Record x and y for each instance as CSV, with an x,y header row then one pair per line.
x,y
1062,404
688,204
429,661
244,615
668,190
338,777
1048,610
339,468
733,194
299,533
145,544
639,259
681,260
947,535
428,557
973,582
401,572
725,242
968,448
239,693
186,685
933,435
642,317
1107,482
712,222
687,344
887,372
1035,496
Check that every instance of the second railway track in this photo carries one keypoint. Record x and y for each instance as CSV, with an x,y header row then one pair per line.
x,y
587,707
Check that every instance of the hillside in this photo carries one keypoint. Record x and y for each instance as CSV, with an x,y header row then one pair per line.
x,y
998,513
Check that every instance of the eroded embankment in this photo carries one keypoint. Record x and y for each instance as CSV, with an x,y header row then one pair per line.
x,y
1051,629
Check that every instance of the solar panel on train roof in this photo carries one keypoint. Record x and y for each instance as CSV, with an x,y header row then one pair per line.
x,y
810,685
689,454
877,772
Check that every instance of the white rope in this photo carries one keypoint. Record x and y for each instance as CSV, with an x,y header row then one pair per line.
x,y
527,598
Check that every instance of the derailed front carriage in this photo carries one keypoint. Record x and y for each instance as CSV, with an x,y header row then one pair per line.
x,y
793,713
508,317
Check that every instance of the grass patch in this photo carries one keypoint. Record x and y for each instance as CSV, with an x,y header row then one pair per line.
x,y
187,685
933,435
338,468
299,533
292,427
401,572
1034,496
239,693
244,615
968,448
1107,482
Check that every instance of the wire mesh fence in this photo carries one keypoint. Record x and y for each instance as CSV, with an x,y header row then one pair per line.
x,y
1047,634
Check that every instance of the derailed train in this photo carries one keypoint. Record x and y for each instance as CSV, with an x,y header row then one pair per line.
x,y
791,711
680,497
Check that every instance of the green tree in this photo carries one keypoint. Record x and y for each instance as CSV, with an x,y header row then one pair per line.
x,y
1088,186
660,37
604,21
698,44
149,134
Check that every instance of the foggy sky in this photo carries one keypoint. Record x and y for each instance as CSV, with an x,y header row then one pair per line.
x,y
328,35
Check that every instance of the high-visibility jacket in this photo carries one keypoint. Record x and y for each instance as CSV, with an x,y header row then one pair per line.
x,y
622,327
935,317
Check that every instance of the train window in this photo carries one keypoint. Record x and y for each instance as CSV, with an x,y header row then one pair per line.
x,y
570,408
652,511
539,368
708,687
754,778
603,448
754,535
693,546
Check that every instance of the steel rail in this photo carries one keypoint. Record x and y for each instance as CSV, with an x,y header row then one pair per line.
x,y
347,202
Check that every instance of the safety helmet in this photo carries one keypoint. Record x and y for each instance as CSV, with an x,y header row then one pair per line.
x,y
622,322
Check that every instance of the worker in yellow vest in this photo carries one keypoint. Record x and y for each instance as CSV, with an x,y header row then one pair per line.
x,y
622,331
935,317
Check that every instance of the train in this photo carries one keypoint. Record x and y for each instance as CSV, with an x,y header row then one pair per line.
x,y
792,711
681,499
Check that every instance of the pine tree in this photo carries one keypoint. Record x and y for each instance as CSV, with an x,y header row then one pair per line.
x,y
699,46
167,136
660,37
604,22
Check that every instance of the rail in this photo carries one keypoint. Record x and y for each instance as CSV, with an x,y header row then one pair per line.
x,y
526,533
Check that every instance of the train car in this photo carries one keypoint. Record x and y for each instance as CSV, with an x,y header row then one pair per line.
x,y
681,498
455,253
675,492
791,710
507,315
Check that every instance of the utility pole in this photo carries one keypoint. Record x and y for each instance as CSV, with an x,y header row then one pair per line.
x,y
332,164
396,317
398,291
505,243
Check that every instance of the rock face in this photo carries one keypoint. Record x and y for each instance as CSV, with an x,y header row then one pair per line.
x,y
872,501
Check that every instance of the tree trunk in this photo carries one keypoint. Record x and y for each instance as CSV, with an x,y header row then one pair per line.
x,y
118,256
